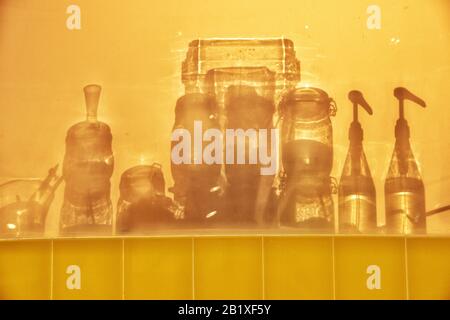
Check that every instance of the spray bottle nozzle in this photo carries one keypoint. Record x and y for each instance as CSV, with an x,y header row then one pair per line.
x,y
401,127
356,97
404,94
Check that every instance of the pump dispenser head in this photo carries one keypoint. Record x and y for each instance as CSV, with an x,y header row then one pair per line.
x,y
404,94
355,132
401,127
357,98
92,96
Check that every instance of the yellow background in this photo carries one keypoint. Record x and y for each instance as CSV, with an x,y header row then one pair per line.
x,y
429,268
158,269
228,268
211,267
134,50
298,268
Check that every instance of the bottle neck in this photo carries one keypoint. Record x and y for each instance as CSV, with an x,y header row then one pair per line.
x,y
402,144
355,135
402,130
92,96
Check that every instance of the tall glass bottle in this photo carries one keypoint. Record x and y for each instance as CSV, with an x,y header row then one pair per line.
x,y
88,166
248,192
196,185
357,196
404,189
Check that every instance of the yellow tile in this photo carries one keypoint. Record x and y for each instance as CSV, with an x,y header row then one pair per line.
x,y
228,268
158,268
298,268
429,268
25,269
87,269
370,268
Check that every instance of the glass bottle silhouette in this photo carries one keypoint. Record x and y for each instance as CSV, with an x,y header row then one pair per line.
x,y
248,194
88,166
245,96
404,189
307,158
357,196
196,185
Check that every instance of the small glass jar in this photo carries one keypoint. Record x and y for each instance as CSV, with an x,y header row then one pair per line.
x,y
143,204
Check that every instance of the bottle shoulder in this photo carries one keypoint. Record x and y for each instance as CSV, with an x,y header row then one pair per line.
x,y
357,185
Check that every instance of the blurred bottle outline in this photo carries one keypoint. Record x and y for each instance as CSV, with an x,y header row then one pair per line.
x,y
249,195
87,168
197,187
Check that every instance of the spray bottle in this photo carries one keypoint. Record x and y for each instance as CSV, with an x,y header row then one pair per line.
x,y
403,188
357,195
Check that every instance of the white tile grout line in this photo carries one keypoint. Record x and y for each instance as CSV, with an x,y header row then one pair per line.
x,y
193,267
263,271
123,269
51,270
406,270
334,268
